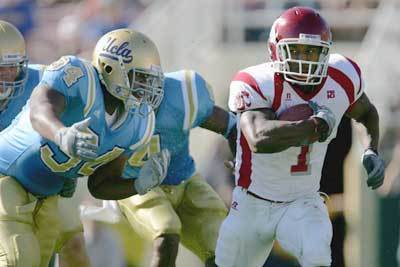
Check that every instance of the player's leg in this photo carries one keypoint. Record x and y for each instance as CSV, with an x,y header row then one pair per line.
x,y
306,232
165,250
18,243
73,252
71,243
47,227
153,217
246,236
201,212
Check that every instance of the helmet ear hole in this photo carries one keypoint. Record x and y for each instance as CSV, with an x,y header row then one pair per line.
x,y
108,68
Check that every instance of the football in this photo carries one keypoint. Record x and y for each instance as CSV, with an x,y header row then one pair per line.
x,y
296,113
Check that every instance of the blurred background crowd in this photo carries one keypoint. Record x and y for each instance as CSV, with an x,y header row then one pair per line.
x,y
218,38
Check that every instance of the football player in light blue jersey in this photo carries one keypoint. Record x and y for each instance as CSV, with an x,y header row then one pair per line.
x,y
13,97
82,120
184,208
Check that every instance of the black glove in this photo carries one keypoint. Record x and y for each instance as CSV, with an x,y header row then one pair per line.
x,y
375,167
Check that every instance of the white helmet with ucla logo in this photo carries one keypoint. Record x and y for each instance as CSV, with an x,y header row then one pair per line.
x,y
129,66
13,61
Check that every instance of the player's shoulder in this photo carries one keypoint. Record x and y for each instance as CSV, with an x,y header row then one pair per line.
x,y
71,64
187,76
187,97
177,93
340,65
262,74
259,78
254,87
70,71
185,86
174,84
64,61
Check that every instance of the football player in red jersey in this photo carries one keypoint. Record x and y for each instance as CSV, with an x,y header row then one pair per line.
x,y
278,163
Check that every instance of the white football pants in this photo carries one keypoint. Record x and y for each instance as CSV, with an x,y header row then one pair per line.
x,y
302,227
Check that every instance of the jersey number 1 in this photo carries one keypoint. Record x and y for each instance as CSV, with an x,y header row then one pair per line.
x,y
302,161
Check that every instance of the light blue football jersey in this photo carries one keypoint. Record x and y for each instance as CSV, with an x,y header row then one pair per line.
x,y
37,163
15,105
188,101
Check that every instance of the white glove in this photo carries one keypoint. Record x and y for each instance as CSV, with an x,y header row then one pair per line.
x,y
325,114
77,141
375,167
153,172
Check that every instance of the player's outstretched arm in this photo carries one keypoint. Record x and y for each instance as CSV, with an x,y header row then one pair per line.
x,y
222,122
46,106
265,134
363,111
107,182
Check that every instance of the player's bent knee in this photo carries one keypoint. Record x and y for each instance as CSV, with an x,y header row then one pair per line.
x,y
316,256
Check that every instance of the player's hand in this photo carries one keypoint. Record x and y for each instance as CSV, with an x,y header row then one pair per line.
x,y
230,164
153,172
375,167
77,141
326,116
69,188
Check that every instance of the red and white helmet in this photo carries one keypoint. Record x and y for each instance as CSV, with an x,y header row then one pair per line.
x,y
304,26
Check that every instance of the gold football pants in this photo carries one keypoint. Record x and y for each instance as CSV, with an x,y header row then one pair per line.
x,y
29,226
191,209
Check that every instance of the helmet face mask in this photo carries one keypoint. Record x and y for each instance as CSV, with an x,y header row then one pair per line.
x,y
147,85
13,62
129,67
299,46
302,62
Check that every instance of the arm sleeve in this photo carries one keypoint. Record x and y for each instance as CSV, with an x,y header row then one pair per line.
x,y
357,79
66,77
204,100
245,94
